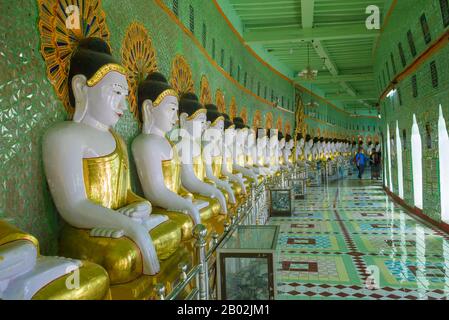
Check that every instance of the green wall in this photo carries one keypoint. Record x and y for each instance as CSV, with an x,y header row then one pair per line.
x,y
401,106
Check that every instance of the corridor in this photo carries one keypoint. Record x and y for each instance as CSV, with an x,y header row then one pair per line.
x,y
345,232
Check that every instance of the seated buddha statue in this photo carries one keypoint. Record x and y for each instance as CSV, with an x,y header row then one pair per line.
x,y
193,119
273,150
87,170
287,153
239,154
308,148
299,148
212,153
317,149
262,161
281,148
25,274
157,159
250,151
228,157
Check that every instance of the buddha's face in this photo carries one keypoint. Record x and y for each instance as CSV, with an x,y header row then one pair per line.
x,y
310,143
251,138
106,101
214,133
282,143
195,126
165,115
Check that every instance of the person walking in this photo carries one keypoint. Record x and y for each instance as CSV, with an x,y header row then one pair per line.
x,y
375,165
360,161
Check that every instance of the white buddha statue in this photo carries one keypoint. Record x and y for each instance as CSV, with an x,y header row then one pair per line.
x,y
308,148
317,149
299,148
281,148
240,156
25,274
86,165
259,151
228,156
212,153
288,157
158,162
273,150
193,120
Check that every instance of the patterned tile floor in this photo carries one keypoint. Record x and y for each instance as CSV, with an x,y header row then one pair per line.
x,y
348,240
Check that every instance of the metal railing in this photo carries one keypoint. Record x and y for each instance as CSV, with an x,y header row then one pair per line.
x,y
249,212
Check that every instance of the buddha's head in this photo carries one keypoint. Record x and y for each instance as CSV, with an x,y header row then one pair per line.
x,y
273,136
229,129
192,115
251,138
215,121
309,141
98,87
158,104
281,140
241,131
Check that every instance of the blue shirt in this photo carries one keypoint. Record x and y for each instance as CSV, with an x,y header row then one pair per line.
x,y
360,158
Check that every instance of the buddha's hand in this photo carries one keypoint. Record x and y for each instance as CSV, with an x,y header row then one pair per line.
x,y
195,214
137,210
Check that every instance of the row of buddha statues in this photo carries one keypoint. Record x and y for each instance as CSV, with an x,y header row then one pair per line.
x,y
195,166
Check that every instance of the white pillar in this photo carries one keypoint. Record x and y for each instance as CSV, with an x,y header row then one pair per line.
x,y
417,164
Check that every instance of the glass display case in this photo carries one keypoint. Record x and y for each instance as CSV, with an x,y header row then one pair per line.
x,y
245,264
280,202
298,187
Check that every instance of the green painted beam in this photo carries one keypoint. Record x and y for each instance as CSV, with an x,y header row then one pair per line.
x,y
279,35
307,13
348,97
339,78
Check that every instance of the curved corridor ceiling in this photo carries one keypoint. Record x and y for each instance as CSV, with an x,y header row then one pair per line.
x,y
333,31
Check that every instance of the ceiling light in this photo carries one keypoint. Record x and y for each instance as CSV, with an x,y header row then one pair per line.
x,y
308,73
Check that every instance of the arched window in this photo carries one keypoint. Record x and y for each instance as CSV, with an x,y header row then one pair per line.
x,y
390,180
399,160
176,7
222,58
213,48
192,19
443,147
417,164
204,35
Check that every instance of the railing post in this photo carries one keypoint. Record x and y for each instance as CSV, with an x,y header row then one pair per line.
x,y
200,233
160,291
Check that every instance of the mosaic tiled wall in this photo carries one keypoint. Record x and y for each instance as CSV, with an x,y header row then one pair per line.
x,y
408,22
28,104
325,119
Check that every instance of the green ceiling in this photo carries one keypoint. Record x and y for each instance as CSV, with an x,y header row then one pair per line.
x,y
341,47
